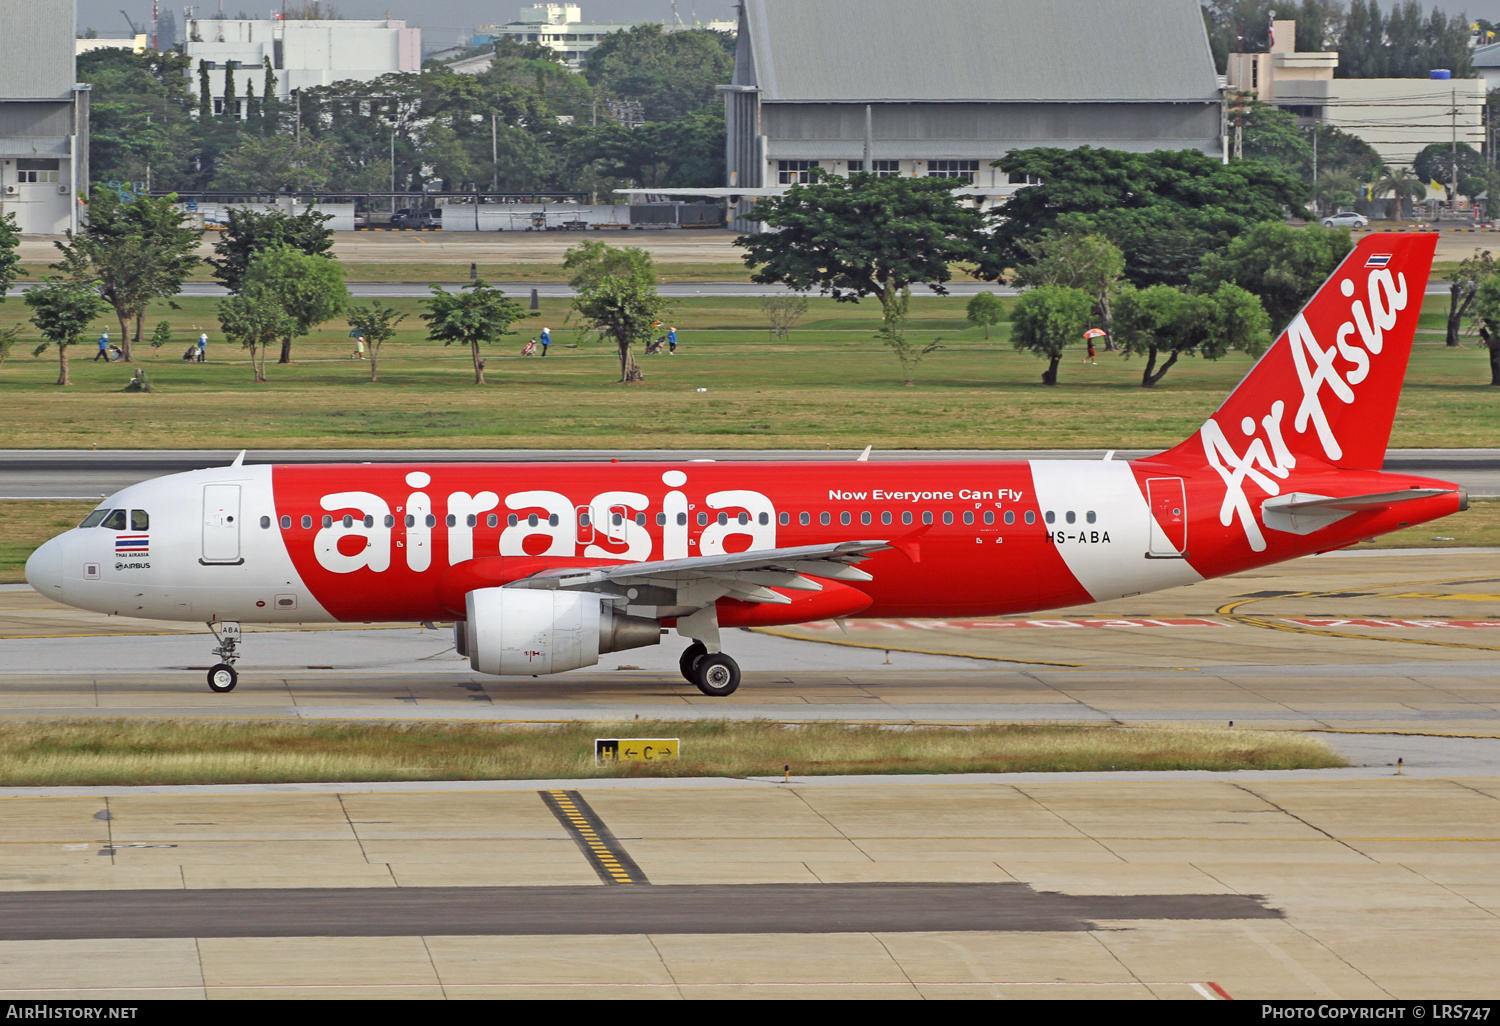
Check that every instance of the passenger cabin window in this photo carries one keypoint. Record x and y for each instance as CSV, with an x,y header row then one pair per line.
x,y
968,516
493,520
390,520
327,520
927,516
989,516
864,518
844,518
1090,516
286,523
1031,516
265,523
1051,517
682,520
723,519
783,519
431,520
95,518
1072,517
702,519
1010,516
306,523
115,521
906,517
804,519
948,517
825,519
140,520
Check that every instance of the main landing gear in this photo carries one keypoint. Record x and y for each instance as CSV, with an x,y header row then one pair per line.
x,y
222,678
715,675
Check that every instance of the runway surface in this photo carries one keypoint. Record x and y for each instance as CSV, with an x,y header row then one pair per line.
x,y
92,474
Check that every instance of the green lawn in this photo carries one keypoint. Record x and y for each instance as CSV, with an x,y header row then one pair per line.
x,y
830,385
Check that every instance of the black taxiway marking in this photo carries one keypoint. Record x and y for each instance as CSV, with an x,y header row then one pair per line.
x,y
613,864
501,911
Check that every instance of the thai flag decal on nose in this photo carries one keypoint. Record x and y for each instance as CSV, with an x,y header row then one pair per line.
x,y
132,544
1378,260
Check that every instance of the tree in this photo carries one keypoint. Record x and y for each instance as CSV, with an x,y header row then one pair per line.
x,y
783,312
161,335
671,74
1282,265
862,236
1162,319
1272,137
1048,319
255,319
1088,262
1402,186
251,231
615,294
1487,310
10,238
1164,210
985,309
63,310
472,316
1436,162
892,335
376,324
136,250
1464,288
308,289
275,164
7,342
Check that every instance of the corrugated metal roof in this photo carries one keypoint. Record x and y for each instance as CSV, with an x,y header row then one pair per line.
x,y
936,50
1486,56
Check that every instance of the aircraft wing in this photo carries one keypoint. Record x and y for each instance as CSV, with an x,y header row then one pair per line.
x,y
747,576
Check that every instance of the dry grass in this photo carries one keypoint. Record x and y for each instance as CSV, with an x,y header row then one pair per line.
x,y
71,752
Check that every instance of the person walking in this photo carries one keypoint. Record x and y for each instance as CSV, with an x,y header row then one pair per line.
x,y
546,339
103,348
671,341
1089,336
202,347
359,348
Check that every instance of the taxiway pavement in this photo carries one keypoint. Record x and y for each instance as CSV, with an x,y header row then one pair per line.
x,y
1364,882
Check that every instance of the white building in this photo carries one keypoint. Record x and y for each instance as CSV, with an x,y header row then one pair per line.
x,y
561,28
1398,117
303,54
44,116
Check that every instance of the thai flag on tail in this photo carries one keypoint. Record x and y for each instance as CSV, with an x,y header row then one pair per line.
x,y
132,544
1378,260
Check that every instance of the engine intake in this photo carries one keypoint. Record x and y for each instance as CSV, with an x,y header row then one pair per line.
x,y
525,632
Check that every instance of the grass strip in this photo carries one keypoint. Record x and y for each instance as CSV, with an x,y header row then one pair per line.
x,y
71,752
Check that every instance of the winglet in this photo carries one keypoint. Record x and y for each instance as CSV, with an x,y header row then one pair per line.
x,y
239,461
864,457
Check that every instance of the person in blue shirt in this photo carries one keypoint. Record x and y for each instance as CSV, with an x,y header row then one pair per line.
x,y
203,347
103,348
671,341
546,339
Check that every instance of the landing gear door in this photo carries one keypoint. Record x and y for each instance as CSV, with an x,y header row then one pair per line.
x,y
221,524
1168,502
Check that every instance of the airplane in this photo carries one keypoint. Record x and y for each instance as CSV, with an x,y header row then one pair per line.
x,y
544,567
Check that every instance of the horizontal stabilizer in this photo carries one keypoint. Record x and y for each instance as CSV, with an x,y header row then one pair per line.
x,y
1304,513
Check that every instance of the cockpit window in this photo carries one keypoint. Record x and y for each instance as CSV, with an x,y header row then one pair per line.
x,y
95,518
140,520
115,521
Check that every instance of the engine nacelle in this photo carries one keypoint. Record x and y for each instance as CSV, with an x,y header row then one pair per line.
x,y
527,632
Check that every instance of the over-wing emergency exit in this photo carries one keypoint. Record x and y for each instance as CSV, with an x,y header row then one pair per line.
x,y
544,567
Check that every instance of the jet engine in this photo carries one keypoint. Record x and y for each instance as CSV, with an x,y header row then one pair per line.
x,y
525,632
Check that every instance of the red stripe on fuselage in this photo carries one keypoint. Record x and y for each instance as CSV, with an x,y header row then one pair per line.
x,y
973,569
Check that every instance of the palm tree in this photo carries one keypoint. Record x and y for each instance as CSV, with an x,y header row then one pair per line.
x,y
1336,191
1401,185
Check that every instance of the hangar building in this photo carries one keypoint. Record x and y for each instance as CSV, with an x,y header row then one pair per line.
x,y
945,87
44,116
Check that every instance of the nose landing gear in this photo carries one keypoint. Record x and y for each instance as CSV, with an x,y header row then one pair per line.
x,y
222,678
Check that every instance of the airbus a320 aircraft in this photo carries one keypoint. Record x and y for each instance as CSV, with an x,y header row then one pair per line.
x,y
543,567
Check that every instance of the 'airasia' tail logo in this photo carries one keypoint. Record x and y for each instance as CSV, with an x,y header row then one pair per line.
x,y
1337,369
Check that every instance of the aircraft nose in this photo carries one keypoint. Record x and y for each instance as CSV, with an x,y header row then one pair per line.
x,y
44,570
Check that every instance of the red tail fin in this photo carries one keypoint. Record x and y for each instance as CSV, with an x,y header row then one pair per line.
x,y
1328,388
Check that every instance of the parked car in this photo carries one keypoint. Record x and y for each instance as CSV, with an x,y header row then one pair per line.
x,y
1345,219
408,217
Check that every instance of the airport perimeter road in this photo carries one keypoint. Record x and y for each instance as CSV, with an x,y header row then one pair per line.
x,y
92,474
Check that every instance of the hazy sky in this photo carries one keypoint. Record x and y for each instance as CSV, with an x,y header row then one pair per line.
x,y
436,16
